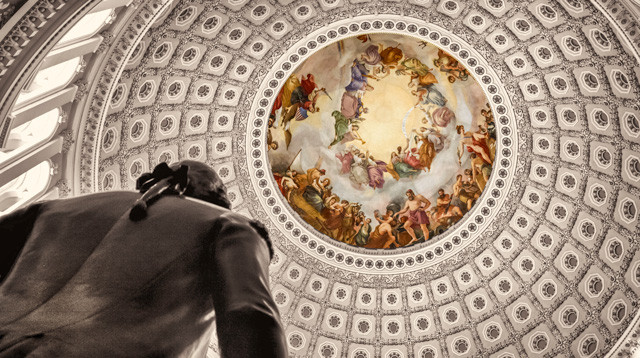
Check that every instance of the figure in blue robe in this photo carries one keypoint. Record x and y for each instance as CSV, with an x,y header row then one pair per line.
x,y
358,77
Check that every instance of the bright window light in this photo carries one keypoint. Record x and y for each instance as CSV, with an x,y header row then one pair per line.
x,y
87,26
30,134
50,79
24,188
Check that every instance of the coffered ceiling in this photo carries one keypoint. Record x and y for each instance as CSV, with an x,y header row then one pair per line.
x,y
546,263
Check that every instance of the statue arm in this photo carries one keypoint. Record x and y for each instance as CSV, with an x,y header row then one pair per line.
x,y
247,321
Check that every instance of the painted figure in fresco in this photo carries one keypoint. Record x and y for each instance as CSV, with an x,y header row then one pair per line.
x,y
434,136
364,231
313,192
352,134
351,105
489,127
359,78
440,117
309,83
312,195
427,152
398,167
339,233
300,179
455,195
390,56
383,59
304,95
343,133
445,211
376,170
423,80
300,110
390,169
446,63
412,157
278,178
475,142
284,96
488,116
382,237
314,174
430,94
308,213
416,205
332,213
326,188
481,170
348,231
297,99
288,184
417,71
467,190
431,143
371,56
271,144
346,159
403,238
360,170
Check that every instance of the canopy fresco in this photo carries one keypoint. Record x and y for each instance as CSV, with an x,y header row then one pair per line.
x,y
381,141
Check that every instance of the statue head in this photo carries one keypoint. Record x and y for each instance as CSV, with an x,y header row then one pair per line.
x,y
187,177
204,183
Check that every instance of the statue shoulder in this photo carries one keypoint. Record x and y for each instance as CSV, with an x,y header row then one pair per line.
x,y
236,222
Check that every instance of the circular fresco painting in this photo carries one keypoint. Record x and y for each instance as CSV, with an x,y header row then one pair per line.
x,y
381,141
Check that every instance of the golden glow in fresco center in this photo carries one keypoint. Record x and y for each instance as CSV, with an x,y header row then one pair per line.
x,y
381,141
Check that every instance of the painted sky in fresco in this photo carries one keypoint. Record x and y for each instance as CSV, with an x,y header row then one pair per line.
x,y
393,111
